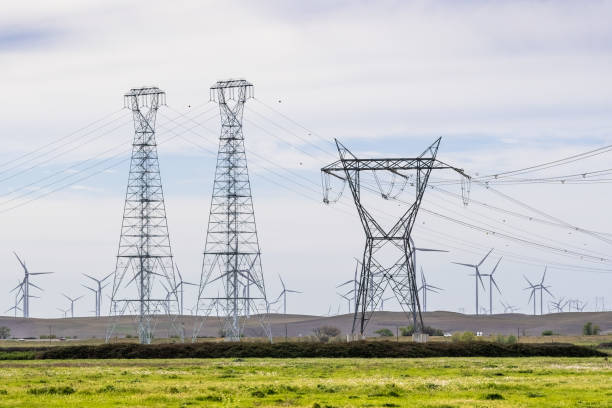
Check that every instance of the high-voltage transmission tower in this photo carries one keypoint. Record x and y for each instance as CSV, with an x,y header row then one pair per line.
x,y
377,273
232,280
144,254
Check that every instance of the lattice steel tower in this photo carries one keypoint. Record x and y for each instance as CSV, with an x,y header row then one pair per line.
x,y
232,279
144,254
378,274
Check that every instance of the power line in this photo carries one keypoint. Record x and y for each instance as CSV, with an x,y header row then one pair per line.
x,y
546,165
62,153
59,139
73,182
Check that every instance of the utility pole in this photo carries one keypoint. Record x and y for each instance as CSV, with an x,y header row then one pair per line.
x,y
144,253
376,276
232,259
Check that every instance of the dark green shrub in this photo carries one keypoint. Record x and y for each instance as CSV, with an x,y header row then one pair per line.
x,y
494,396
307,350
5,332
409,331
547,333
65,390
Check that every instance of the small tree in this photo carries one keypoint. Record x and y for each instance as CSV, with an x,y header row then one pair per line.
x,y
511,339
468,336
407,331
547,333
587,329
5,332
324,333
384,332
596,330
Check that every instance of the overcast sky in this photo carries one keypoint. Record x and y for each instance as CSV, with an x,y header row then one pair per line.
x,y
506,85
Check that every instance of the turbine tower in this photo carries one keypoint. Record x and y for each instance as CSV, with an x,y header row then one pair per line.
x,y
376,276
231,264
492,282
144,253
24,287
477,274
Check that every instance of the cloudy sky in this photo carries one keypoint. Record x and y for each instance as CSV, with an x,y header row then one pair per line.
x,y
506,84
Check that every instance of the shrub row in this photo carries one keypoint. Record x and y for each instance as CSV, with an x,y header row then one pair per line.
x,y
295,350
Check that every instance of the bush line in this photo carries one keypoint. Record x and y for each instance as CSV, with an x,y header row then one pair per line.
x,y
364,349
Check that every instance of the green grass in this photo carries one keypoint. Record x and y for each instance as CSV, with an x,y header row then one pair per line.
x,y
436,382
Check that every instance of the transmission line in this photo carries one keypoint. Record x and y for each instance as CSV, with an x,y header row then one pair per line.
x,y
73,133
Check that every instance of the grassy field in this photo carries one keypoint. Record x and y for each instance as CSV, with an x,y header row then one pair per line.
x,y
436,382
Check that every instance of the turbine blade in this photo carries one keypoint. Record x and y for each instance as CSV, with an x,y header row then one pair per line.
x,y
496,265
37,287
106,277
486,256
464,264
495,284
281,279
18,286
20,261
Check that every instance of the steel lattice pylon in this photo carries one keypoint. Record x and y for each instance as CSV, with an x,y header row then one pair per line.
x,y
144,254
232,280
376,275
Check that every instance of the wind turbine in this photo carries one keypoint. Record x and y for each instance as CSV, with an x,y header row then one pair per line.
x,y
15,308
534,288
559,305
532,294
72,300
96,295
284,295
426,288
508,308
477,274
25,286
98,290
348,300
382,302
355,283
64,311
491,283
181,289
